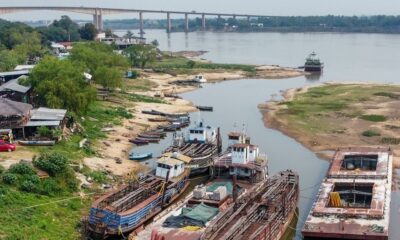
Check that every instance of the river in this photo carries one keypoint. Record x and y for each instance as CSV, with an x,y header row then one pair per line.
x,y
347,57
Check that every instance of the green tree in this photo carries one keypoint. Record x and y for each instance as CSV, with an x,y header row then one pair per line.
x,y
107,77
88,32
8,60
61,84
155,43
141,54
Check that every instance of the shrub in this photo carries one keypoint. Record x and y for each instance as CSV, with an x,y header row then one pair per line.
x,y
9,178
28,186
191,64
374,118
1,169
370,133
22,168
52,162
44,131
98,176
32,178
49,187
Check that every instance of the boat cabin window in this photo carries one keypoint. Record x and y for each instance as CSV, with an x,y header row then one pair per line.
x,y
360,162
165,166
196,131
351,195
176,167
234,137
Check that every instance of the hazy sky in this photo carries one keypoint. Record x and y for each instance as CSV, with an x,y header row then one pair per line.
x,y
264,7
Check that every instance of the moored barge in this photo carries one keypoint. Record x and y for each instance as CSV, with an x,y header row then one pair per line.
x,y
127,208
354,199
240,201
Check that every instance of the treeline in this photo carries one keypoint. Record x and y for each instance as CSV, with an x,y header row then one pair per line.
x,y
22,44
330,23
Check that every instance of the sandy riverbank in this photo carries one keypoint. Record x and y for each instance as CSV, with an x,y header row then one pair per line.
x,y
328,130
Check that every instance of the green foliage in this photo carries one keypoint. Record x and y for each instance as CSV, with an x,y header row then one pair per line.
x,y
53,163
22,168
155,43
141,54
108,77
388,94
28,186
44,131
93,55
191,63
374,118
370,133
61,30
2,169
8,60
9,178
141,98
98,176
88,32
119,112
60,84
49,187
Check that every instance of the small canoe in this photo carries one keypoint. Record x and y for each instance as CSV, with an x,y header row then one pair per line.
x,y
140,156
160,119
150,140
139,142
144,135
205,108
37,143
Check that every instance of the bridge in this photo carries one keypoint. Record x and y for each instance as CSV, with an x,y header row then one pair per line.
x,y
98,14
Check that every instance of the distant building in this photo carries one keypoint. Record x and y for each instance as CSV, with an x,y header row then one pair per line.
x,y
16,92
123,43
14,115
7,76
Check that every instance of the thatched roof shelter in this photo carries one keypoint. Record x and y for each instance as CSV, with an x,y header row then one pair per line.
x,y
13,114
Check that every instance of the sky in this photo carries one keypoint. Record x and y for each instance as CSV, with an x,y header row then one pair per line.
x,y
262,7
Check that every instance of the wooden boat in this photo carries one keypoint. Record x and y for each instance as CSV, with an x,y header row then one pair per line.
x,y
38,143
140,156
152,136
150,140
159,119
127,208
139,142
205,108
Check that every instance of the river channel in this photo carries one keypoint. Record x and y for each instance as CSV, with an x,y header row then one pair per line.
x,y
347,57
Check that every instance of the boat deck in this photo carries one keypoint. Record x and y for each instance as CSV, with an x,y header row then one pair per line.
x,y
366,215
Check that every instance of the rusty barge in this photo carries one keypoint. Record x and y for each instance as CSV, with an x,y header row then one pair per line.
x,y
242,202
127,208
354,199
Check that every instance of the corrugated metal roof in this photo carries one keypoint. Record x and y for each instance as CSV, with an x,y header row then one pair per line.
x,y
177,156
43,123
14,86
21,72
13,108
48,114
169,161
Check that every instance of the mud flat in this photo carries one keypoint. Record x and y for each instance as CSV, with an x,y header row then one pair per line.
x,y
331,116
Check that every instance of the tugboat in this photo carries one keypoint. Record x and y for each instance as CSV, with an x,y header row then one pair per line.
x,y
313,63
202,144
127,208
241,202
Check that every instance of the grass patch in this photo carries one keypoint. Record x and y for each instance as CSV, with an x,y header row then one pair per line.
x,y
141,98
374,118
388,94
315,110
182,65
370,133
140,84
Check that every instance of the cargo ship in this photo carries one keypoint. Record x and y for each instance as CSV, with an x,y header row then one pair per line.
x,y
202,144
226,206
127,208
354,199
313,63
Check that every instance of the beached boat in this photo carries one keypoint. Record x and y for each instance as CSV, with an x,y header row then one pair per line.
x,y
199,79
37,143
127,208
150,140
240,203
202,143
140,156
159,119
139,142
